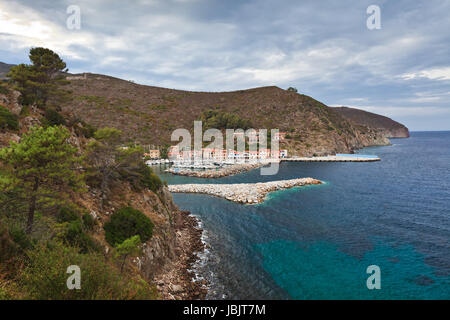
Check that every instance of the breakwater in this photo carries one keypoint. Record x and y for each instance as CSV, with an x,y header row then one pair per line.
x,y
249,193
336,158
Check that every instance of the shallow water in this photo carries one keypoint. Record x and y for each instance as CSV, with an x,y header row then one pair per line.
x,y
316,242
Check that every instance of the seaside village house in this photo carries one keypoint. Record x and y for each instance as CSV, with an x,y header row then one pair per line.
x,y
221,155
153,154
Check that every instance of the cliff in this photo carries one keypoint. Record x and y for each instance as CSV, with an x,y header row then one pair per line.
x,y
382,124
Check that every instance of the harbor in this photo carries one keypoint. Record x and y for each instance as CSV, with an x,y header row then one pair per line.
x,y
208,168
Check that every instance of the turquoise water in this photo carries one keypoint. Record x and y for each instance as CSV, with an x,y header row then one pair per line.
x,y
317,242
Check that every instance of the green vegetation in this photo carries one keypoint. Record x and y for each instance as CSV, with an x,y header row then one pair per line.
x,y
223,120
126,223
158,107
3,89
292,89
45,278
143,177
88,221
44,226
164,151
42,160
97,100
53,118
129,247
25,111
8,120
37,81
109,160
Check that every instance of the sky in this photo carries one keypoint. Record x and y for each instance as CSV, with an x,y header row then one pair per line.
x,y
322,47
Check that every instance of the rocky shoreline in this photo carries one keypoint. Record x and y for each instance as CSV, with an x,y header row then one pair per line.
x,y
246,193
176,280
220,173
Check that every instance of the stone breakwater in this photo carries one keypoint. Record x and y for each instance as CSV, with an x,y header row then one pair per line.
x,y
249,193
219,173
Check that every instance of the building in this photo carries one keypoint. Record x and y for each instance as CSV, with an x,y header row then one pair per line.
x,y
153,154
264,153
220,155
253,155
77,77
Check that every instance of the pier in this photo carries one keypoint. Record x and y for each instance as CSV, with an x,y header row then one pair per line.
x,y
336,158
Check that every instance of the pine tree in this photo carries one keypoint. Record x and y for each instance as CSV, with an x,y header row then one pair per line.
x,y
42,167
35,82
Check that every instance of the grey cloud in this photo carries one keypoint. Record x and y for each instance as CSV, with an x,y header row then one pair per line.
x,y
321,47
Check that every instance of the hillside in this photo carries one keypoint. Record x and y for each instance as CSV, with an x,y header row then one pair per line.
x,y
148,114
164,261
385,125
4,69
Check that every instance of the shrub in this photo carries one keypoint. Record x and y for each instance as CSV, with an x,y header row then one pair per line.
x,y
53,117
75,236
81,127
73,230
66,214
223,120
20,237
25,111
8,120
130,247
3,90
149,179
142,176
126,223
88,130
8,248
44,277
88,221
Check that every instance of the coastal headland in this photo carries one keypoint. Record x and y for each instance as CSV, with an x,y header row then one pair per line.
x,y
246,193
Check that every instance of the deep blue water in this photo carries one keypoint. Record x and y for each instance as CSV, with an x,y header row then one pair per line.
x,y
317,242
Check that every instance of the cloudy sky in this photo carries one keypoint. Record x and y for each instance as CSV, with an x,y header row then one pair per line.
x,y
322,47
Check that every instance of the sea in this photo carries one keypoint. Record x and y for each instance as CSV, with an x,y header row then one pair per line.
x,y
319,242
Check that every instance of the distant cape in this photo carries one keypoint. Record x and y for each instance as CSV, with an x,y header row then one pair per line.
x,y
389,127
